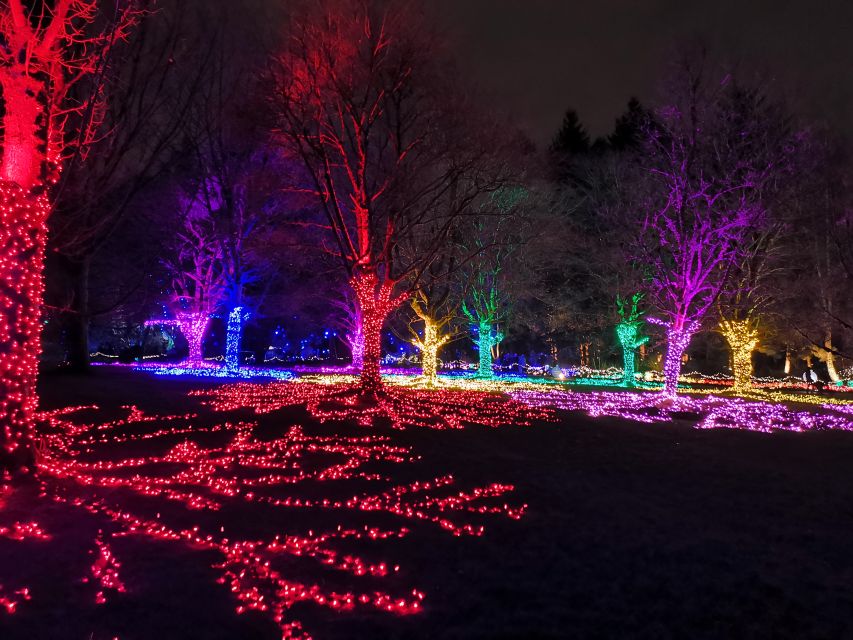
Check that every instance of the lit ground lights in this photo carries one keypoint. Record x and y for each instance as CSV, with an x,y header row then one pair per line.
x,y
711,411
166,478
402,407
203,369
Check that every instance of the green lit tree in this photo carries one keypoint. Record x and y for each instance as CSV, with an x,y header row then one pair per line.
x,y
629,333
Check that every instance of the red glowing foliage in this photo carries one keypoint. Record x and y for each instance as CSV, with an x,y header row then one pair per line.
x,y
402,407
225,465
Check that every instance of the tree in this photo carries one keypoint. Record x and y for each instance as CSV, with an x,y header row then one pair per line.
x,y
492,241
700,192
198,269
628,332
134,110
762,259
433,304
47,48
361,97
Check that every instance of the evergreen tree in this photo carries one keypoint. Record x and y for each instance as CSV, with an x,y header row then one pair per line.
x,y
627,132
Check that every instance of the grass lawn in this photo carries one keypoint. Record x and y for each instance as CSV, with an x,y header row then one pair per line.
x,y
625,529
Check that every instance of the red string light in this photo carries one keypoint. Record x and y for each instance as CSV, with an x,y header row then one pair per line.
x,y
105,570
83,465
402,407
22,240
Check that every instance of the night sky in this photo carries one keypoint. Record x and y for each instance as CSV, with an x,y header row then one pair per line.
x,y
538,57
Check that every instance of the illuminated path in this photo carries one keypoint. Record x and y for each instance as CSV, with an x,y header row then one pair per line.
x,y
268,511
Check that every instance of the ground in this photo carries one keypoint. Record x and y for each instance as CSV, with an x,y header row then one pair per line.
x,y
630,529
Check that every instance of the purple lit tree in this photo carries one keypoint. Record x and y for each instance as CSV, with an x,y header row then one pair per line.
x,y
701,178
199,278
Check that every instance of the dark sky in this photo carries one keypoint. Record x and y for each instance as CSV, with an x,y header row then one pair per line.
x,y
537,57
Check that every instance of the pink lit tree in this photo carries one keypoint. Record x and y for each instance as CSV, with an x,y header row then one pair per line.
x,y
361,96
702,174
47,49
199,271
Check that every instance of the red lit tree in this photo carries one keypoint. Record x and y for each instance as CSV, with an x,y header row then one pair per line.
x,y
362,99
45,49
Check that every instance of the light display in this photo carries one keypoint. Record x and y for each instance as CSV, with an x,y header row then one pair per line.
x,y
376,301
402,407
486,339
429,346
200,473
45,50
22,241
210,370
9,601
194,326
742,337
105,570
713,412
678,336
628,332
233,337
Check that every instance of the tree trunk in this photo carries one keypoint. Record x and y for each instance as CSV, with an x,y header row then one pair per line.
x,y
484,345
194,327
76,322
376,302
787,361
22,240
429,353
628,366
742,337
234,337
830,359
356,345
677,340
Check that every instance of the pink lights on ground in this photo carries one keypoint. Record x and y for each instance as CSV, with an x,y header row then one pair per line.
x,y
712,412
10,600
402,407
197,475
105,570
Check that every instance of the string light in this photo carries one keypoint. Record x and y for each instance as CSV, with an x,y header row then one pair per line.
x,y
83,465
429,346
233,337
713,411
22,237
742,337
376,301
105,570
403,407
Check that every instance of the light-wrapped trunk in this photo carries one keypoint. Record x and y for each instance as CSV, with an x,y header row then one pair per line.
x,y
628,366
376,302
484,345
22,242
742,337
234,337
194,327
678,338
429,347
